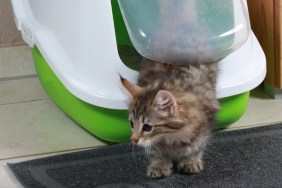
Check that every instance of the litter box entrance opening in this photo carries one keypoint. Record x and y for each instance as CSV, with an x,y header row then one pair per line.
x,y
214,42
127,53
183,31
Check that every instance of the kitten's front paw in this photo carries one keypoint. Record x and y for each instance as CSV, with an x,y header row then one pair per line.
x,y
190,167
158,172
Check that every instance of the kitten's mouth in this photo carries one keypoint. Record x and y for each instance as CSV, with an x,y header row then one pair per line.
x,y
144,143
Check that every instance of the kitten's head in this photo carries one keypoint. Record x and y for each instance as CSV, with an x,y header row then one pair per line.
x,y
156,116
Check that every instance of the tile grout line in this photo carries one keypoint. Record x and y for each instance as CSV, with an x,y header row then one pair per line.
x,y
18,77
251,125
20,102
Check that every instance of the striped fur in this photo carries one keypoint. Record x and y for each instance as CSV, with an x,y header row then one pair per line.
x,y
179,103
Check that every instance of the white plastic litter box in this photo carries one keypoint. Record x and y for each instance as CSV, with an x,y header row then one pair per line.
x,y
78,46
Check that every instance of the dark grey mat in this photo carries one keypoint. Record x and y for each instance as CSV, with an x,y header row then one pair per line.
x,y
244,158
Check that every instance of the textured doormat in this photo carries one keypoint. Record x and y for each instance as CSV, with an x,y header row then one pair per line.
x,y
242,158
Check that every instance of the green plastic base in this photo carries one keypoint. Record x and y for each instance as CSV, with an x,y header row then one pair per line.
x,y
112,125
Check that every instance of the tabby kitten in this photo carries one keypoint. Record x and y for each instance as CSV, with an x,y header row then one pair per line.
x,y
172,112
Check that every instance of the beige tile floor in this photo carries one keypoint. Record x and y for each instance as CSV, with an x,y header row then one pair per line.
x,y
31,126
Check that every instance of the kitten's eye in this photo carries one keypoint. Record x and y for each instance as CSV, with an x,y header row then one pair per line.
x,y
131,124
147,128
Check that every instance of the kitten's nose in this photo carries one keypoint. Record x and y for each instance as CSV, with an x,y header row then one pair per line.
x,y
135,138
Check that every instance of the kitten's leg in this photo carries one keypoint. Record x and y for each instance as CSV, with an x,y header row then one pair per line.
x,y
191,164
160,166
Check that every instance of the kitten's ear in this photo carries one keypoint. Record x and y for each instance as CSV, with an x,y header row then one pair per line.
x,y
165,103
133,89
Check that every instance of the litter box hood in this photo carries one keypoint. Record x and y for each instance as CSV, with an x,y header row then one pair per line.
x,y
78,41
186,31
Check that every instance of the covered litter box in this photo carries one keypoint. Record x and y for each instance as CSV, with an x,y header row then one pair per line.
x,y
75,48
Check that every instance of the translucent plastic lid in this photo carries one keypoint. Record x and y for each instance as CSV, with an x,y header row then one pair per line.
x,y
186,31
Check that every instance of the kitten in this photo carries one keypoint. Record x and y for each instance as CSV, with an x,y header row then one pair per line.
x,y
172,112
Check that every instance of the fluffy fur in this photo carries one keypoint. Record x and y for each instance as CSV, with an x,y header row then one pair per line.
x,y
172,112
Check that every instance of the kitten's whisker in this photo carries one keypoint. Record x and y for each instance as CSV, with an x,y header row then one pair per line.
x,y
147,149
158,150
133,154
